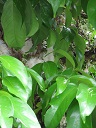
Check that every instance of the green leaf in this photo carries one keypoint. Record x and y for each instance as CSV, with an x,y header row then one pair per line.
x,y
91,11
39,36
87,100
82,79
14,30
25,114
55,112
38,69
61,84
46,12
6,110
47,97
74,119
84,5
93,118
38,78
68,34
14,107
6,122
65,54
76,8
80,43
15,87
51,39
16,68
31,21
50,70
68,17
55,5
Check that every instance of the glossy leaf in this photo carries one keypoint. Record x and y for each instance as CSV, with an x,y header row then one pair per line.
x,y
6,110
14,31
51,39
80,43
91,11
82,79
38,78
6,122
15,87
39,36
67,34
65,54
16,68
74,119
87,100
31,21
55,5
25,114
46,12
14,107
61,84
59,105
50,70
68,17
38,69
47,97
76,8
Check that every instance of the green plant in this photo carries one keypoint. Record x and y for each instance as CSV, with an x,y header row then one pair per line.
x,y
50,89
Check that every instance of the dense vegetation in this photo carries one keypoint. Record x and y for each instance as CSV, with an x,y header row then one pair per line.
x,y
41,96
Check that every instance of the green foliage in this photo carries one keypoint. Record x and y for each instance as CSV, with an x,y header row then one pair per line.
x,y
51,89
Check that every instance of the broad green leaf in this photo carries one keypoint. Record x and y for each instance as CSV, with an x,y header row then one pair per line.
x,y
76,8
14,30
79,58
80,43
68,17
39,36
67,34
25,114
6,122
62,3
31,21
15,87
16,68
14,107
38,78
21,5
59,105
61,84
6,110
50,70
74,119
68,2
82,79
87,100
68,72
46,12
47,97
93,118
84,5
91,11
65,54
51,39
38,69
55,5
